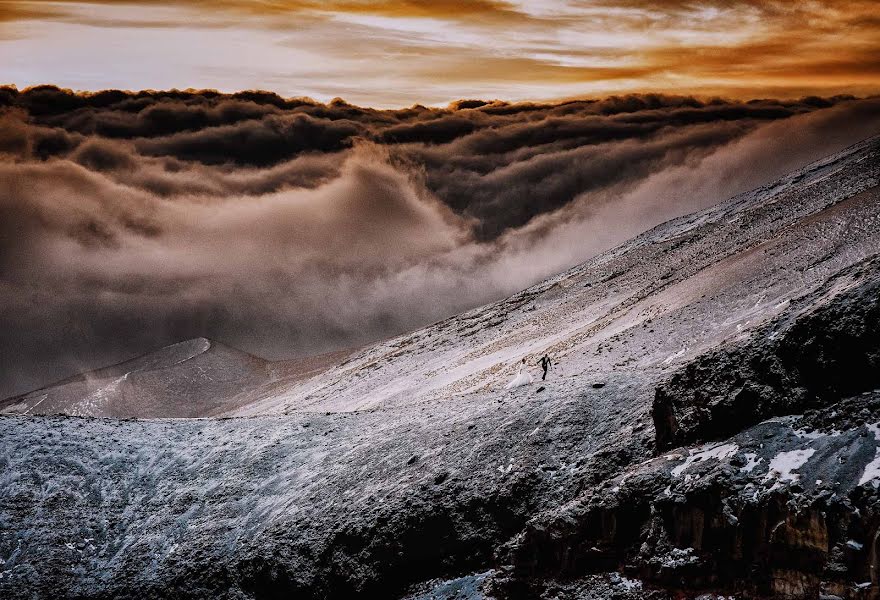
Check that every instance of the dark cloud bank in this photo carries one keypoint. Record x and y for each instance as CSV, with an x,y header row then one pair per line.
x,y
287,227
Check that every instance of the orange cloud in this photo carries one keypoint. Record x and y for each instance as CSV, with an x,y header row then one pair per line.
x,y
401,51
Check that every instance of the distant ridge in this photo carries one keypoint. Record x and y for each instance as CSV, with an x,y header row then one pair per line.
x,y
193,378
186,379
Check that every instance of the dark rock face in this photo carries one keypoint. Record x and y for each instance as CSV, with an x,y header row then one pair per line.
x,y
829,350
775,511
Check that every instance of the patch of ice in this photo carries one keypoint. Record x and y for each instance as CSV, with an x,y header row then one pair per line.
x,y
716,451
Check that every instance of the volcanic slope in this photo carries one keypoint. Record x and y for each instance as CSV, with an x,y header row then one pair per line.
x,y
409,461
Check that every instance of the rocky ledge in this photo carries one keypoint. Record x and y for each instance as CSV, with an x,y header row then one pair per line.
x,y
825,347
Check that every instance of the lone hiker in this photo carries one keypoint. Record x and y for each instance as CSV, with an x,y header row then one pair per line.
x,y
545,364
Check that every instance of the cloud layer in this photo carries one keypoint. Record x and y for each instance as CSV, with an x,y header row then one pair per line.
x,y
289,227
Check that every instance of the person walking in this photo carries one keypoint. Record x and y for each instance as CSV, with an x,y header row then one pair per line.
x,y
545,364
523,377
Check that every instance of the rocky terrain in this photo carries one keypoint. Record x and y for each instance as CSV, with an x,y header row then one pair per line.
x,y
710,429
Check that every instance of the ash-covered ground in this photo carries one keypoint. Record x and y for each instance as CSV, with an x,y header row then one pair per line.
x,y
710,428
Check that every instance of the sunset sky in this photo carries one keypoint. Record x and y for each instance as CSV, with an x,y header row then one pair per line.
x,y
396,53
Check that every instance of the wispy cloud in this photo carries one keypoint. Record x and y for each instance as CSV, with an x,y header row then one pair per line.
x,y
399,52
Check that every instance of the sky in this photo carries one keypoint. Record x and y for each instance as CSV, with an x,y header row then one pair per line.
x,y
396,53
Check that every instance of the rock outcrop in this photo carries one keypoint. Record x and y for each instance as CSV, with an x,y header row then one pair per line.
x,y
824,348
780,510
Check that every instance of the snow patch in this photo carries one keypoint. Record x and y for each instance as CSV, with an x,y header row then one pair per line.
x,y
783,465
679,557
716,451
854,545
872,469
752,461
672,357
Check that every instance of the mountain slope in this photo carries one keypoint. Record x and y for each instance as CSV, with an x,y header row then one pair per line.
x,y
408,460
654,302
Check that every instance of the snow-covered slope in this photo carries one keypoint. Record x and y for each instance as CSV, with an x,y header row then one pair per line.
x,y
646,306
407,460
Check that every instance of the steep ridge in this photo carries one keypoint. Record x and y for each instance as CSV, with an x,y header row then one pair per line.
x,y
692,283
408,461
189,379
